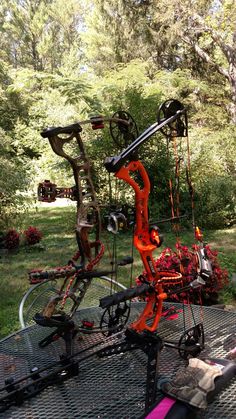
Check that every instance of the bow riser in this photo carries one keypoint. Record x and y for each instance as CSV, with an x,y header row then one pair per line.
x,y
143,244
88,214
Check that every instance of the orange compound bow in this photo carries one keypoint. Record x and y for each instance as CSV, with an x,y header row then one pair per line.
x,y
146,238
155,286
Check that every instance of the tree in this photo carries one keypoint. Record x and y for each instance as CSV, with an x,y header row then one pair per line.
x,y
63,61
13,181
200,35
110,36
39,33
182,32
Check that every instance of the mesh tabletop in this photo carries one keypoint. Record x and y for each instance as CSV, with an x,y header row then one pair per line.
x,y
112,387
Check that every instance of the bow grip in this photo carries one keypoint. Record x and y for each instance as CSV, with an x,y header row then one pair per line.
x,y
125,295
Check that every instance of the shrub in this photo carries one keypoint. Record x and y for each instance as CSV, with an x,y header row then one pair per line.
x,y
12,239
184,261
32,235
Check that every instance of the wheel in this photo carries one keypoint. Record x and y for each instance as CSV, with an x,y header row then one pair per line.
x,y
191,343
123,135
115,318
177,128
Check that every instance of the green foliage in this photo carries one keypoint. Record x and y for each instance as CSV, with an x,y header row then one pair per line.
x,y
228,295
38,33
65,61
13,180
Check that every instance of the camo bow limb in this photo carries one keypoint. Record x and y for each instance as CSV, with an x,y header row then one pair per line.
x,y
88,213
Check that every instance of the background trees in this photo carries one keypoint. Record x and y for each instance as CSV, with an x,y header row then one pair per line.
x,y
63,61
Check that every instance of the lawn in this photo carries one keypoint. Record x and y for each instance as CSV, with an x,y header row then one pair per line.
x,y
58,245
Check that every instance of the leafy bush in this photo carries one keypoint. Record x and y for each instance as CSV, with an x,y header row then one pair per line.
x,y
13,183
32,235
12,239
185,261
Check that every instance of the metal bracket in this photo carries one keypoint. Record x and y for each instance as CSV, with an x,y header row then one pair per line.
x,y
149,343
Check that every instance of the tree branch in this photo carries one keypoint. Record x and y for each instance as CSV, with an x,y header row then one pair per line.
x,y
206,57
227,49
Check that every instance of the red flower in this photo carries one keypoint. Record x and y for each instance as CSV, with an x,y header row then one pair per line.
x,y
185,261
32,235
12,239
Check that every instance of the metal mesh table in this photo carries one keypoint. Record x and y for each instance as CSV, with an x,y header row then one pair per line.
x,y
112,387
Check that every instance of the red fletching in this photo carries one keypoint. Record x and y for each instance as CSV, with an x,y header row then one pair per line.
x,y
97,126
55,337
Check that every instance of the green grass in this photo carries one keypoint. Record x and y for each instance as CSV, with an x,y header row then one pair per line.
x,y
58,245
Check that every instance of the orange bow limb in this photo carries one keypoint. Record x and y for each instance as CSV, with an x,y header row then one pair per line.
x,y
153,309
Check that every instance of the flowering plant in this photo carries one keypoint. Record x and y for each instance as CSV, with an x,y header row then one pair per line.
x,y
32,235
12,239
185,261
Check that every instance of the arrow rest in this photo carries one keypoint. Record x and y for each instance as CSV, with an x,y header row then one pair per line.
x,y
177,128
116,222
